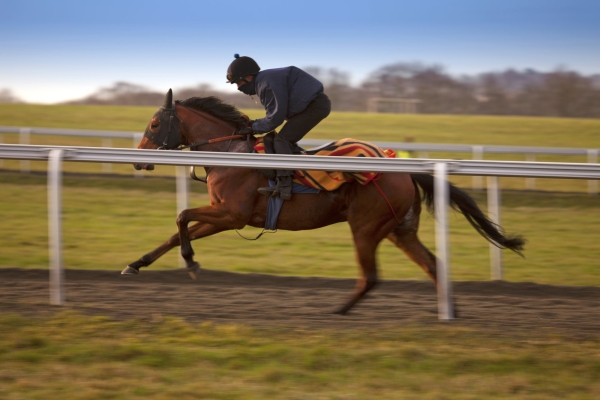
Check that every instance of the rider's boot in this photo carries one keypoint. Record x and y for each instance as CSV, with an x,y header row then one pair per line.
x,y
283,188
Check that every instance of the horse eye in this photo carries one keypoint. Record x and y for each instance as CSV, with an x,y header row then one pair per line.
x,y
154,123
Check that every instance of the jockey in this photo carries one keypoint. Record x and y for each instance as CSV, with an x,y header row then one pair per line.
x,y
286,94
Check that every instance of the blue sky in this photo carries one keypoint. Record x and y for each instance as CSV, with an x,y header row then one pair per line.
x,y
57,50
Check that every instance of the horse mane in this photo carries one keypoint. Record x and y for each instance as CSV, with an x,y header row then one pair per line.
x,y
217,108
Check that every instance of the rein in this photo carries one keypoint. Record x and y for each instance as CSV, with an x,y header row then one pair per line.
x,y
216,140
234,135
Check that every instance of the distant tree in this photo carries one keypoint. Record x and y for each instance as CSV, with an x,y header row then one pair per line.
x,y
569,94
394,80
560,93
127,94
493,99
440,94
7,96
337,87
437,91
123,93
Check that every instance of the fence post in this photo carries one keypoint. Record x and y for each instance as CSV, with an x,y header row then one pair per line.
x,y
494,201
57,296
530,182
593,159
477,155
137,137
183,186
106,167
441,193
24,138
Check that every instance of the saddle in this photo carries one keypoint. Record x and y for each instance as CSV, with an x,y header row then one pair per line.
x,y
266,145
328,180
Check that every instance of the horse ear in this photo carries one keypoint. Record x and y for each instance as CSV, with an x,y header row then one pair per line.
x,y
168,99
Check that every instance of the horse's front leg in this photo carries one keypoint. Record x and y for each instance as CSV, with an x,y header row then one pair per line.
x,y
196,231
219,216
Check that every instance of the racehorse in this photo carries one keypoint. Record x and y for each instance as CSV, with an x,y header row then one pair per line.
x,y
387,209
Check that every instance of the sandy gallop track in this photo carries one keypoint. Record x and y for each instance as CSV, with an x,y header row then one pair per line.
x,y
263,300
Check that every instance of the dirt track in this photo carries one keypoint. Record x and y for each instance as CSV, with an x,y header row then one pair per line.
x,y
263,300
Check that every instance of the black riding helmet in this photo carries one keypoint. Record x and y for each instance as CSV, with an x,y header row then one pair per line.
x,y
240,68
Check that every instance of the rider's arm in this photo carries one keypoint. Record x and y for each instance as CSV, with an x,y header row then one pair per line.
x,y
274,97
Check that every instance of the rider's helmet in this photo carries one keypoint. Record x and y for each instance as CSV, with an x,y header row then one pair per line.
x,y
240,68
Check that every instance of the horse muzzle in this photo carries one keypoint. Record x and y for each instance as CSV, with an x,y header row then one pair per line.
x,y
147,167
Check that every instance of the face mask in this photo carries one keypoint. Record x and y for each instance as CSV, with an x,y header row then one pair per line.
x,y
246,88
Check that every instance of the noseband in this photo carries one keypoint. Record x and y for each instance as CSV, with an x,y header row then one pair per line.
x,y
173,112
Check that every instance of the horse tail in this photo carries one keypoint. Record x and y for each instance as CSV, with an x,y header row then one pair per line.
x,y
461,201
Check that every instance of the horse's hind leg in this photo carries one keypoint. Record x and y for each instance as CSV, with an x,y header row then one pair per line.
x,y
365,253
404,236
197,231
416,251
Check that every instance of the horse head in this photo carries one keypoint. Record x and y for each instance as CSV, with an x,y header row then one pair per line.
x,y
163,131
198,123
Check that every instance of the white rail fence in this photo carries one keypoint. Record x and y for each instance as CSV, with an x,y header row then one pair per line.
x,y
440,168
477,152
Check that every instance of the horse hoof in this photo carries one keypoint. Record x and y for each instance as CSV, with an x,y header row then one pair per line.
x,y
194,270
130,271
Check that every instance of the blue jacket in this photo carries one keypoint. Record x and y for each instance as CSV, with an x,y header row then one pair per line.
x,y
283,92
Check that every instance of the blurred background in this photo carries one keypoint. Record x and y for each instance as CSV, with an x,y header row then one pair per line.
x,y
74,65
527,57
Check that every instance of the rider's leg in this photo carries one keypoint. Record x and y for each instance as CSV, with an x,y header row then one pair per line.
x,y
294,130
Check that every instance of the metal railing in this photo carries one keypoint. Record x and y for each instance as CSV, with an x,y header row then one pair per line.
x,y
477,151
440,168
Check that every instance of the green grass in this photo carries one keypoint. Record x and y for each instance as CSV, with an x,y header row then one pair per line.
x,y
118,220
110,222
76,357
451,129
458,129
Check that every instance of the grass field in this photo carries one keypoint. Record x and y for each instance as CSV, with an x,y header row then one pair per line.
x,y
458,129
74,357
111,221
450,129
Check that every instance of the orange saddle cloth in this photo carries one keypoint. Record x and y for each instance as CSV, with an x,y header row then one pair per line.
x,y
331,180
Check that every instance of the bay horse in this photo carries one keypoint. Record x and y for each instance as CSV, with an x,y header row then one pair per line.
x,y
388,212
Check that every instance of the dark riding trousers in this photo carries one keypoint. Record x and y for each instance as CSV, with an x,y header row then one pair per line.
x,y
299,125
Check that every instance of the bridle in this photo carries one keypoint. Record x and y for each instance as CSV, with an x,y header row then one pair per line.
x,y
173,116
165,145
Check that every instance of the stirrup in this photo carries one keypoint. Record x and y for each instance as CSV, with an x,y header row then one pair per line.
x,y
268,191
